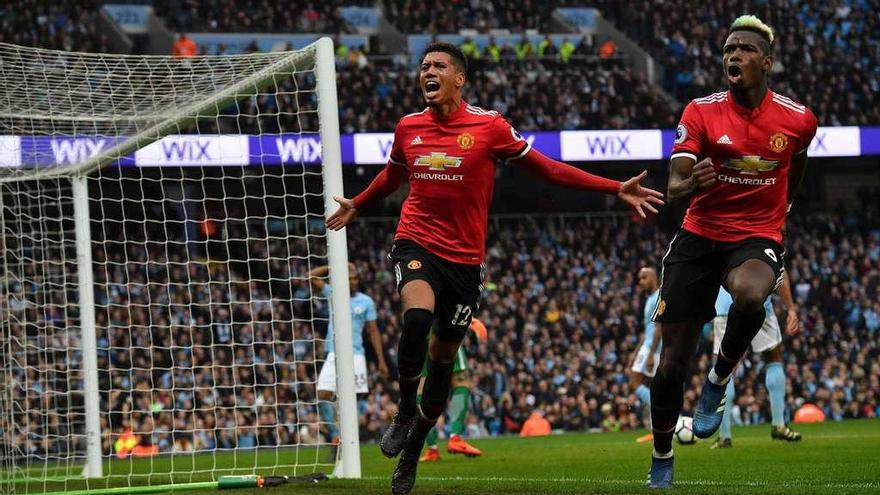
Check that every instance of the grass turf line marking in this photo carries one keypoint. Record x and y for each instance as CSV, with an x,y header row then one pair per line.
x,y
511,479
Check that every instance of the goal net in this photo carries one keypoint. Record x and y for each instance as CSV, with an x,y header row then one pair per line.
x,y
159,218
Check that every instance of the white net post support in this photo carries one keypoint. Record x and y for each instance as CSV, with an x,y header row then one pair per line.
x,y
85,281
337,253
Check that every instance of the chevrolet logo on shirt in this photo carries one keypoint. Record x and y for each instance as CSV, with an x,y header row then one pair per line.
x,y
438,161
750,165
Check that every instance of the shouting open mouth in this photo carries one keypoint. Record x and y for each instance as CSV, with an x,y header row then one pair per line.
x,y
734,74
432,87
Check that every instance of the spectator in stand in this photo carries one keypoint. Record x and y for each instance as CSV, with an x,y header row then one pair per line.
x,y
546,48
493,51
184,46
470,49
566,50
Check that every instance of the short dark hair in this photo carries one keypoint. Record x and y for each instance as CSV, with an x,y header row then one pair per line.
x,y
458,57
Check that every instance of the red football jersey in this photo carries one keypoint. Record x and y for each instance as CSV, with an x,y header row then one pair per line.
x,y
451,164
751,150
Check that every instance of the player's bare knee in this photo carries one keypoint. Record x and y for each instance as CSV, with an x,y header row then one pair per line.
x,y
417,294
325,395
748,293
750,283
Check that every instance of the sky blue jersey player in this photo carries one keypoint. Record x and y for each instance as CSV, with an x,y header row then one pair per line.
x,y
769,342
363,315
644,366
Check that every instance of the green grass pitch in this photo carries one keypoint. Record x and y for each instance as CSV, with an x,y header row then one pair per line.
x,y
833,458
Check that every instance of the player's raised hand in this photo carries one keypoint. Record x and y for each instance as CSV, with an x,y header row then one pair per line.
x,y
649,362
703,174
638,197
792,322
344,215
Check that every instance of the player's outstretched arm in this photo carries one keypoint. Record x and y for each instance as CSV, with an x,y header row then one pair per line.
x,y
388,180
631,192
687,177
638,197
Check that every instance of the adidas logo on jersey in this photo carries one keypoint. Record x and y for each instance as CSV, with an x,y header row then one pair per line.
x,y
724,140
417,140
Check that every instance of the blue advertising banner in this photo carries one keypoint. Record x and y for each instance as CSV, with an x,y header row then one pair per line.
x,y
374,148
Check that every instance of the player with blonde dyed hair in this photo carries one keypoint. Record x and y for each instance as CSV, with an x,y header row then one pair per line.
x,y
752,23
738,159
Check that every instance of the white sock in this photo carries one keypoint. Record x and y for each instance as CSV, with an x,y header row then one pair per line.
x,y
658,455
714,378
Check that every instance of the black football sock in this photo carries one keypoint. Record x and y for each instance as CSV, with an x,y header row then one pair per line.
x,y
667,397
743,323
412,350
438,383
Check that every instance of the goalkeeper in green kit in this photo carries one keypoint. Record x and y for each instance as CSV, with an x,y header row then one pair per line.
x,y
458,405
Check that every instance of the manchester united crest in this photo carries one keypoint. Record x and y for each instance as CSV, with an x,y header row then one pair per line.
x,y
661,307
778,142
466,140
414,265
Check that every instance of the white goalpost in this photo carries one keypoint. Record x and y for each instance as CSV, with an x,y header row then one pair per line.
x,y
159,219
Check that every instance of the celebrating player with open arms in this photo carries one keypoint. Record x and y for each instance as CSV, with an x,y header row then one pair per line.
x,y
448,152
739,158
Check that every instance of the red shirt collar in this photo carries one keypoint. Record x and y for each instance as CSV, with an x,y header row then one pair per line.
x,y
455,113
750,112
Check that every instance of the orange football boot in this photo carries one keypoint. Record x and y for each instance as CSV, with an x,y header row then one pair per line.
x,y
457,445
432,454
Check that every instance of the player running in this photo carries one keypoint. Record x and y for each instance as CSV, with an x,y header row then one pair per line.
x,y
449,152
458,405
738,159
645,364
769,342
363,314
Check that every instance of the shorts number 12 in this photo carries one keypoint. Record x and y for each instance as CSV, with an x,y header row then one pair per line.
x,y
462,315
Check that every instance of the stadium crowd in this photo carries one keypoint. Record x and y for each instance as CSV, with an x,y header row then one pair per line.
x,y
827,55
194,358
251,16
448,17
608,95
822,52
69,26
